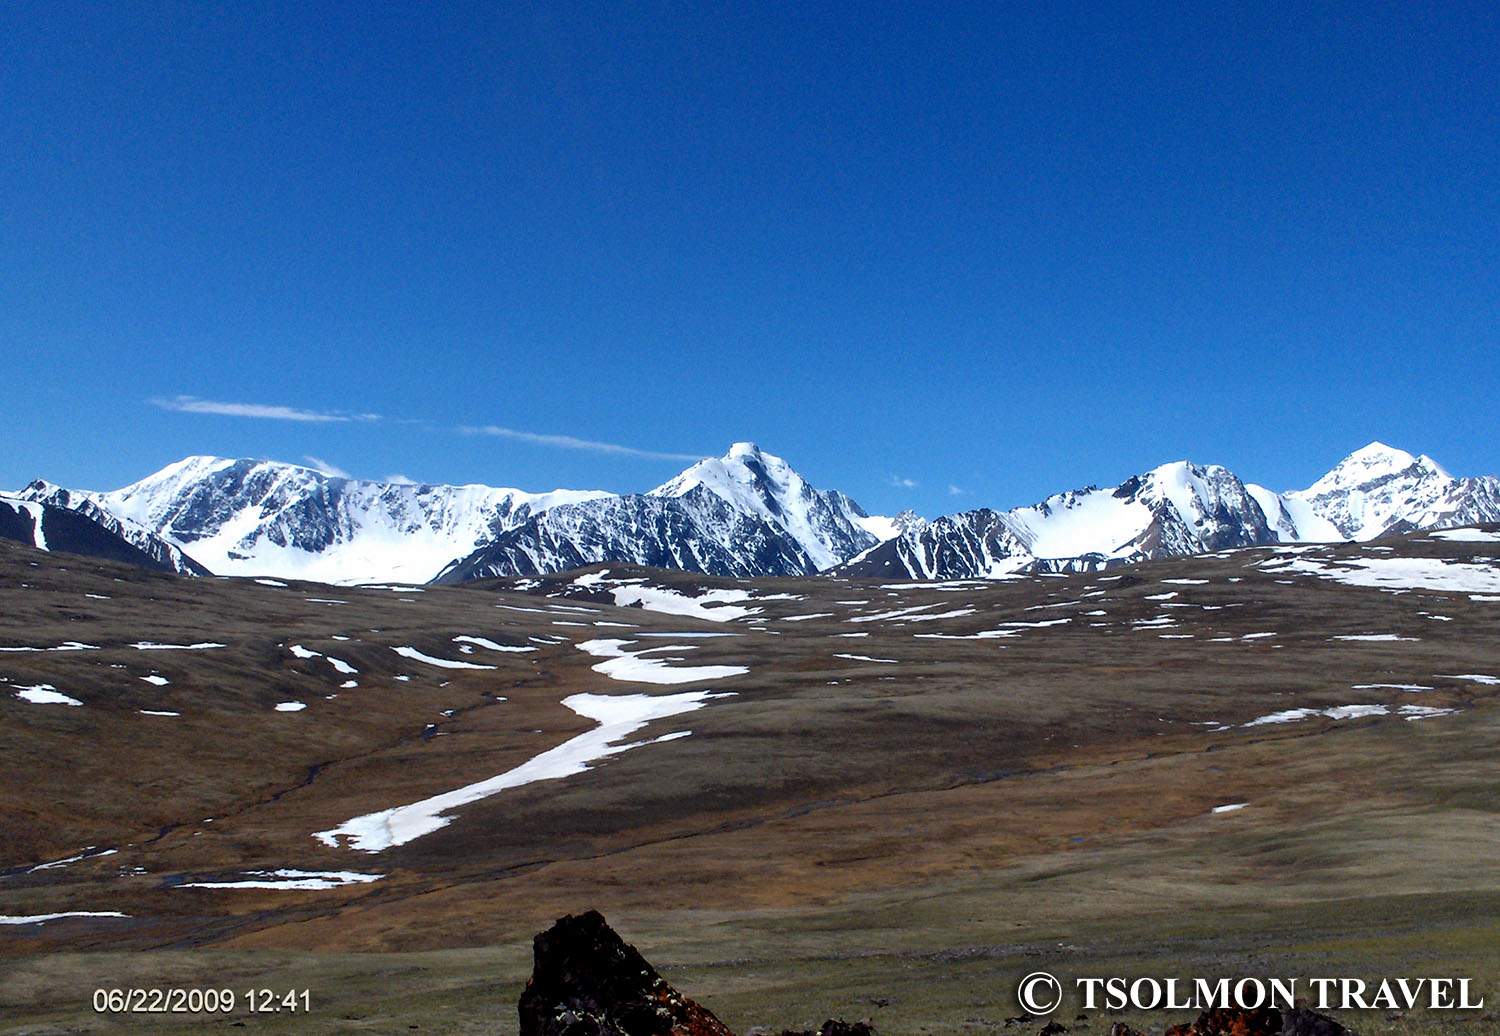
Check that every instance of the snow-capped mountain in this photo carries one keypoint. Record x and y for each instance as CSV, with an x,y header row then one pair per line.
x,y
1175,509
744,514
262,518
1181,509
1380,490
90,531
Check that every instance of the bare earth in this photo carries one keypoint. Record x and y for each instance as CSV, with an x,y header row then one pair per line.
x,y
898,836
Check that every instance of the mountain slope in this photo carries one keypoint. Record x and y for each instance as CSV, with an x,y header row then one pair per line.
x,y
90,531
1182,508
262,518
744,514
1175,509
1379,490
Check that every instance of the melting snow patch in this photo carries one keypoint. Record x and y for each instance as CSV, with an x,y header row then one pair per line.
x,y
270,582
146,645
1476,677
1467,536
1162,597
1413,687
45,694
673,603
1229,808
291,706
618,716
1407,574
1411,712
881,616
442,663
1035,625
803,618
302,652
631,667
1186,582
1336,712
1375,637
44,918
152,712
489,645
160,681
867,658
288,879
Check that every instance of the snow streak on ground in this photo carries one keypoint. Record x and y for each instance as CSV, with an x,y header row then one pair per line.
x,y
618,716
489,645
442,663
1400,573
288,879
44,918
45,694
633,667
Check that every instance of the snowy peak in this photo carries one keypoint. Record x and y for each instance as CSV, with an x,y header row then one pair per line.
x,y
1367,466
753,482
264,518
1380,489
747,513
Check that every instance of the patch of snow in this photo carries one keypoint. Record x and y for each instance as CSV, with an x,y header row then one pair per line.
x,y
1467,536
671,602
291,706
146,645
631,667
159,681
288,879
1229,807
867,658
44,918
442,663
618,717
45,694
1382,637
488,645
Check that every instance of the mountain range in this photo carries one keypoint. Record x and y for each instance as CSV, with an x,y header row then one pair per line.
x,y
748,513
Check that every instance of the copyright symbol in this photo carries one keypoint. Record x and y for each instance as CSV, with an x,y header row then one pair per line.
x,y
1039,993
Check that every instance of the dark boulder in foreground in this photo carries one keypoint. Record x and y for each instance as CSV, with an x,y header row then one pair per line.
x,y
588,982
1263,1021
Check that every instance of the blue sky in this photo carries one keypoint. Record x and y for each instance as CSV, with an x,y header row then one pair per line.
x,y
995,250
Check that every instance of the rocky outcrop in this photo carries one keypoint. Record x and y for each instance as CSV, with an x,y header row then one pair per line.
x,y
1265,1021
587,981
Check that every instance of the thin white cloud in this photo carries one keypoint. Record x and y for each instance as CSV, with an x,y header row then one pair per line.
x,y
902,483
568,442
194,405
399,480
331,470
955,491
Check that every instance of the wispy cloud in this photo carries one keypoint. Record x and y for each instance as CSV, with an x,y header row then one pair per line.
x,y
194,405
902,483
331,470
955,491
568,442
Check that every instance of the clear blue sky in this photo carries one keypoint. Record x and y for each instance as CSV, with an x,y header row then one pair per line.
x,y
1000,248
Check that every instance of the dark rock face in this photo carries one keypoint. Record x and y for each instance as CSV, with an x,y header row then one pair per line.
x,y
1263,1021
834,1027
588,982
